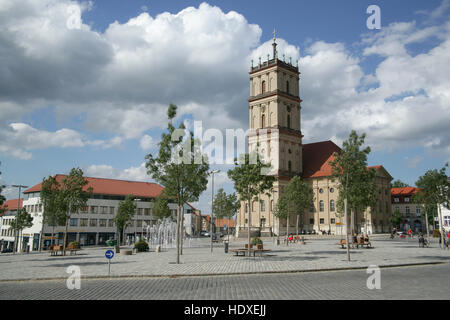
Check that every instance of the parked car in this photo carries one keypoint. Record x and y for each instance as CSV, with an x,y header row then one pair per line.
x,y
204,234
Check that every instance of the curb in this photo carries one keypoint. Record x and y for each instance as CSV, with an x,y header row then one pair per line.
x,y
171,276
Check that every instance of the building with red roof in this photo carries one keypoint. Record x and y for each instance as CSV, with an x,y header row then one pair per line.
x,y
8,214
402,199
275,131
93,224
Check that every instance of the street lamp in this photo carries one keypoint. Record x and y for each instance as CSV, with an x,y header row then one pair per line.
x,y
16,240
212,207
135,220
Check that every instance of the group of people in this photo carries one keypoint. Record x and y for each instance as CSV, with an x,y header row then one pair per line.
x,y
364,238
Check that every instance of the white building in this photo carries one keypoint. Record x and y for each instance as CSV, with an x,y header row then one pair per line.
x,y
6,233
93,224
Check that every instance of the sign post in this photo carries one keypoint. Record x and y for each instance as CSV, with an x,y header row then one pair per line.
x,y
109,254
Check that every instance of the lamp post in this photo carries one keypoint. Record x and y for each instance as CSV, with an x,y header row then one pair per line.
x,y
135,220
212,207
16,240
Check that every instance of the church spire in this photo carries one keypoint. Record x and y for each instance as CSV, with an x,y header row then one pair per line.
x,y
274,44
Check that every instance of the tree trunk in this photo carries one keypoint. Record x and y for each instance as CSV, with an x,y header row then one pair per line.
x,y
248,226
441,226
117,240
352,222
178,233
346,229
287,230
182,232
426,224
65,237
298,217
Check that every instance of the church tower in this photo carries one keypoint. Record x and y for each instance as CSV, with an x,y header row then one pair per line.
x,y
274,116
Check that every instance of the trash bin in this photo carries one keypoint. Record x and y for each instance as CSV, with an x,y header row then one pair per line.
x,y
226,246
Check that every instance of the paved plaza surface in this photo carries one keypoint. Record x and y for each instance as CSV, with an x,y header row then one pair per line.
x,y
197,260
403,283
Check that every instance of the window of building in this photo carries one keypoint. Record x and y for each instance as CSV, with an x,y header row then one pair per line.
x,y
321,206
322,220
263,205
84,222
94,209
140,211
289,121
73,222
287,86
396,200
406,199
333,221
446,221
290,166
263,222
102,223
263,121
104,210
331,190
332,207
84,209
111,210
311,221
418,210
271,205
407,210
246,221
92,222
110,223
146,211
263,87
139,223
312,208
320,190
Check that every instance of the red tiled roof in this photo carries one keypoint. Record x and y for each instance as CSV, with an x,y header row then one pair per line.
x,y
12,204
316,158
113,187
404,191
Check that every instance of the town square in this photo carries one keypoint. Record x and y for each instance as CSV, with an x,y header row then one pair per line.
x,y
154,151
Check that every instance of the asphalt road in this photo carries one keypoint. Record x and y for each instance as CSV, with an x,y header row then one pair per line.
x,y
404,283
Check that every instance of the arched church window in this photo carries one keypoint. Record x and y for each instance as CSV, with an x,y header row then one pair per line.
x,y
321,206
332,205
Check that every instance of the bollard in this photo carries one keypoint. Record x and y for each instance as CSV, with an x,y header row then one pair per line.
x,y
226,246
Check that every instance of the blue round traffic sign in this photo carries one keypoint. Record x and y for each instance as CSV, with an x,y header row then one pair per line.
x,y
109,254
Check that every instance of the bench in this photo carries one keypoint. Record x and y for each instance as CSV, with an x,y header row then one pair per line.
x,y
55,249
237,252
343,242
363,242
73,249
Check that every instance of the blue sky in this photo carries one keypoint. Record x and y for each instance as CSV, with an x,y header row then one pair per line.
x,y
87,84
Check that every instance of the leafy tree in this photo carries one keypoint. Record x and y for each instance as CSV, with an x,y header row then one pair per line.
x,y
50,198
180,168
250,180
123,218
356,182
225,206
161,207
23,220
396,218
72,197
63,199
296,199
434,190
398,184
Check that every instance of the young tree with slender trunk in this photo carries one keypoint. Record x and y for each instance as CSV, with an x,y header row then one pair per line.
x,y
435,190
296,199
251,180
23,220
356,183
123,217
180,168
225,206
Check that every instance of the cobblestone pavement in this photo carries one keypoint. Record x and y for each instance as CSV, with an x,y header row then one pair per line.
x,y
405,283
198,260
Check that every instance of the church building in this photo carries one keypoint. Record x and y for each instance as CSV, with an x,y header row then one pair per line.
x,y
275,123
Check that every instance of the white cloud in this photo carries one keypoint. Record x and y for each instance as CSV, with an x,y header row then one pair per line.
x,y
106,171
147,143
